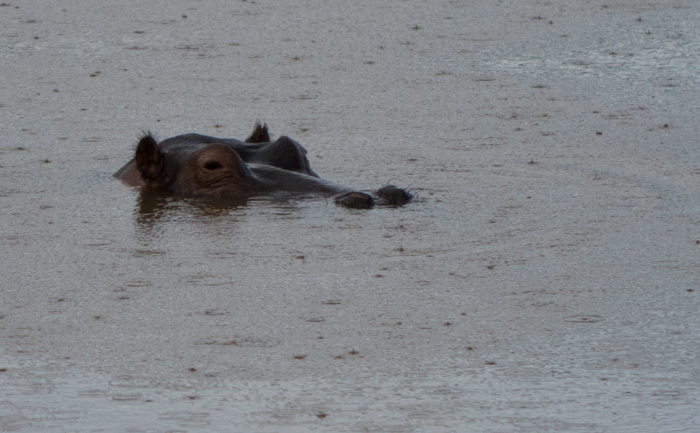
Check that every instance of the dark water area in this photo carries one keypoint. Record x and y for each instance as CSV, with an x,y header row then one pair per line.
x,y
544,279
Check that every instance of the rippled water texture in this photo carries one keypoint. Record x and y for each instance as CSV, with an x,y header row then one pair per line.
x,y
544,280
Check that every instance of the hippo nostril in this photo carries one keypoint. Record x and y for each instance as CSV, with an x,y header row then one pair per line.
x,y
212,165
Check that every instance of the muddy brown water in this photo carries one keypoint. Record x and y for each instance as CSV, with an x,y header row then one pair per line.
x,y
545,279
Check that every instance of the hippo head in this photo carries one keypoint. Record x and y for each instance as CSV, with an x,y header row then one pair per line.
x,y
213,169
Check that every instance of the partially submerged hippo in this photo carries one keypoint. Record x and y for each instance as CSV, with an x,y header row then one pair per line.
x,y
194,165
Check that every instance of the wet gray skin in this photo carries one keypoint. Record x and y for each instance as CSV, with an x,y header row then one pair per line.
x,y
195,165
283,153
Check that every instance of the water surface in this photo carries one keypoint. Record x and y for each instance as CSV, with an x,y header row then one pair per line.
x,y
545,279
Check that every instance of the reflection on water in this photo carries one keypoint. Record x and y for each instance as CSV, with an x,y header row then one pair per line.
x,y
153,206
156,214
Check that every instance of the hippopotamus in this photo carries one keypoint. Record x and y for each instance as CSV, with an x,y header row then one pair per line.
x,y
194,165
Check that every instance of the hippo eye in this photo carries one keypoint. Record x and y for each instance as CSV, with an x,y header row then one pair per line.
x,y
212,165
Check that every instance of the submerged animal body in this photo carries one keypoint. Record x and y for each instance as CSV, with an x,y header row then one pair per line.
x,y
194,165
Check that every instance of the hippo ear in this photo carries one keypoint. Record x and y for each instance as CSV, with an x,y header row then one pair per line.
x,y
149,158
259,135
